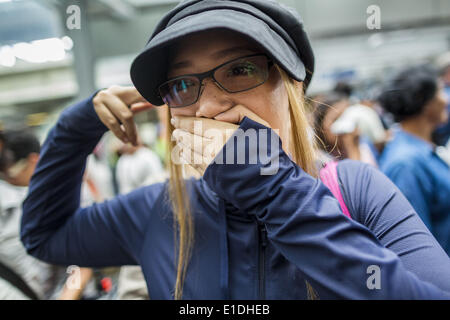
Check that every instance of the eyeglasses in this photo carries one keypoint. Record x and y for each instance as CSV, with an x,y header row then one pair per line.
x,y
234,76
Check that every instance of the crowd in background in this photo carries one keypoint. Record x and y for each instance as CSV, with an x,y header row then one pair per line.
x,y
113,168
403,129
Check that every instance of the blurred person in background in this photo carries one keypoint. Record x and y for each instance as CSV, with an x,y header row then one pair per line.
x,y
28,277
441,135
416,99
97,187
362,114
338,131
98,178
137,166
366,114
20,150
344,89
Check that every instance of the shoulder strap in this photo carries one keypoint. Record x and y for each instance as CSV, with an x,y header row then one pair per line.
x,y
16,281
329,177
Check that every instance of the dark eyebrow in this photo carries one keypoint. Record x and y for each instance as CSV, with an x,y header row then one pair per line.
x,y
181,64
216,55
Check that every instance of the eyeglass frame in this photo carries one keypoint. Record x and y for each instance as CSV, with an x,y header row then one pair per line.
x,y
210,74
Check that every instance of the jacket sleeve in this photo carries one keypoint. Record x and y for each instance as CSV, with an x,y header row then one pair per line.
x,y
54,228
338,256
378,204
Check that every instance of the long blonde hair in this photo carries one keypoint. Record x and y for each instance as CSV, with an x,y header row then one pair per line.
x,y
303,151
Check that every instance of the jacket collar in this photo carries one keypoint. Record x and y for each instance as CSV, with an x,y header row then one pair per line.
x,y
417,143
212,200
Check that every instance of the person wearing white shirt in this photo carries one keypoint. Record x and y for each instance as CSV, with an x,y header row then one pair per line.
x,y
23,149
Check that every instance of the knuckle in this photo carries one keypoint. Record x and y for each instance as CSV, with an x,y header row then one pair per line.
x,y
95,100
114,89
103,93
127,116
113,123
100,96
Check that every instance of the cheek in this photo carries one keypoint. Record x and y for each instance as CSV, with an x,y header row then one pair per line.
x,y
271,103
438,109
279,102
188,111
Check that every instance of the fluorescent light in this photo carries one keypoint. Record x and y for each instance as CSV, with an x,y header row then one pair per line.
x,y
39,51
67,42
51,49
7,58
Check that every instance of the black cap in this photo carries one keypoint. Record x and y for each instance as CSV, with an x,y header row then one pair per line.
x,y
275,27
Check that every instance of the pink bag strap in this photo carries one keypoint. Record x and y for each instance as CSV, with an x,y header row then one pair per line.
x,y
328,175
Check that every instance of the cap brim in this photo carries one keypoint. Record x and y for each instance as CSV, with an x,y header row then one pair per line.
x,y
149,68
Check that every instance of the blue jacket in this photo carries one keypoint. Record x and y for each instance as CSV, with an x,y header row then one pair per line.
x,y
424,179
256,236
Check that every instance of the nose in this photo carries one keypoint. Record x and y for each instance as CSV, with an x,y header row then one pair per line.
x,y
213,100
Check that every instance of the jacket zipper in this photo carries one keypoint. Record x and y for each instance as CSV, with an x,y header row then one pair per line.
x,y
262,261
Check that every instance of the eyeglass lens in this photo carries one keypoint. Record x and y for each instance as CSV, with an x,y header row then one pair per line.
x,y
236,76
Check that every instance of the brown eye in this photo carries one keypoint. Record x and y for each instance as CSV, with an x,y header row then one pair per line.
x,y
241,69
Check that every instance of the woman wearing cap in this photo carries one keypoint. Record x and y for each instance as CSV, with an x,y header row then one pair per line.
x,y
247,230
